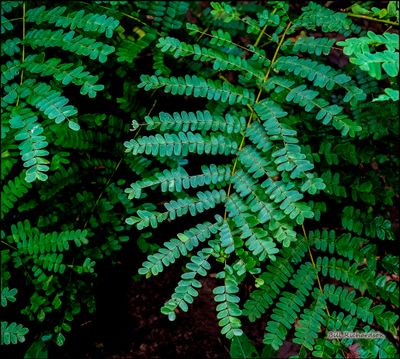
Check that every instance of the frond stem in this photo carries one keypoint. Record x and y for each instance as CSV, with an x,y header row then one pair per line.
x,y
313,264
23,49
9,245
252,113
365,17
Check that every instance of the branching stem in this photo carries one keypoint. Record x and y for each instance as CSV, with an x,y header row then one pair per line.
x,y
252,112
365,17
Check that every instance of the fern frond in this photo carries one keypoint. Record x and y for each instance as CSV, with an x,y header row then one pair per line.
x,y
53,105
12,333
273,279
11,46
30,241
228,309
219,60
358,222
199,87
185,291
321,75
315,15
9,71
289,305
255,163
14,189
327,113
181,246
74,20
289,158
6,24
178,180
66,73
166,14
196,121
311,320
181,144
32,147
313,45
8,295
178,208
79,45
361,307
359,52
128,50
51,262
258,136
287,196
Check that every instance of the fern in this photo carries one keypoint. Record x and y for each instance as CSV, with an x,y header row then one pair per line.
x,y
12,333
257,122
270,171
199,87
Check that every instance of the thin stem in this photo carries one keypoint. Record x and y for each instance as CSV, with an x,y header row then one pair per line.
x,y
365,17
113,173
260,36
313,264
263,31
23,49
9,245
102,192
203,33
252,113
122,13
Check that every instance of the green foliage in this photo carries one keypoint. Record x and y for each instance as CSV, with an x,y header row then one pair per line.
x,y
12,333
241,126
285,151
62,203
360,53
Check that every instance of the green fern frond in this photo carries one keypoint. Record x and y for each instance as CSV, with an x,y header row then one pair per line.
x,y
313,45
14,189
273,280
178,180
128,50
66,73
32,147
289,306
79,45
315,15
178,208
310,323
9,71
74,20
8,295
227,308
12,333
219,60
196,121
198,87
30,241
181,246
181,144
53,105
186,288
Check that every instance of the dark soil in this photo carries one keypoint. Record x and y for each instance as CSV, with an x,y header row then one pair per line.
x,y
128,322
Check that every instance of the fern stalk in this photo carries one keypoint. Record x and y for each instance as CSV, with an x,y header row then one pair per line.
x,y
23,48
252,113
365,17
313,264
